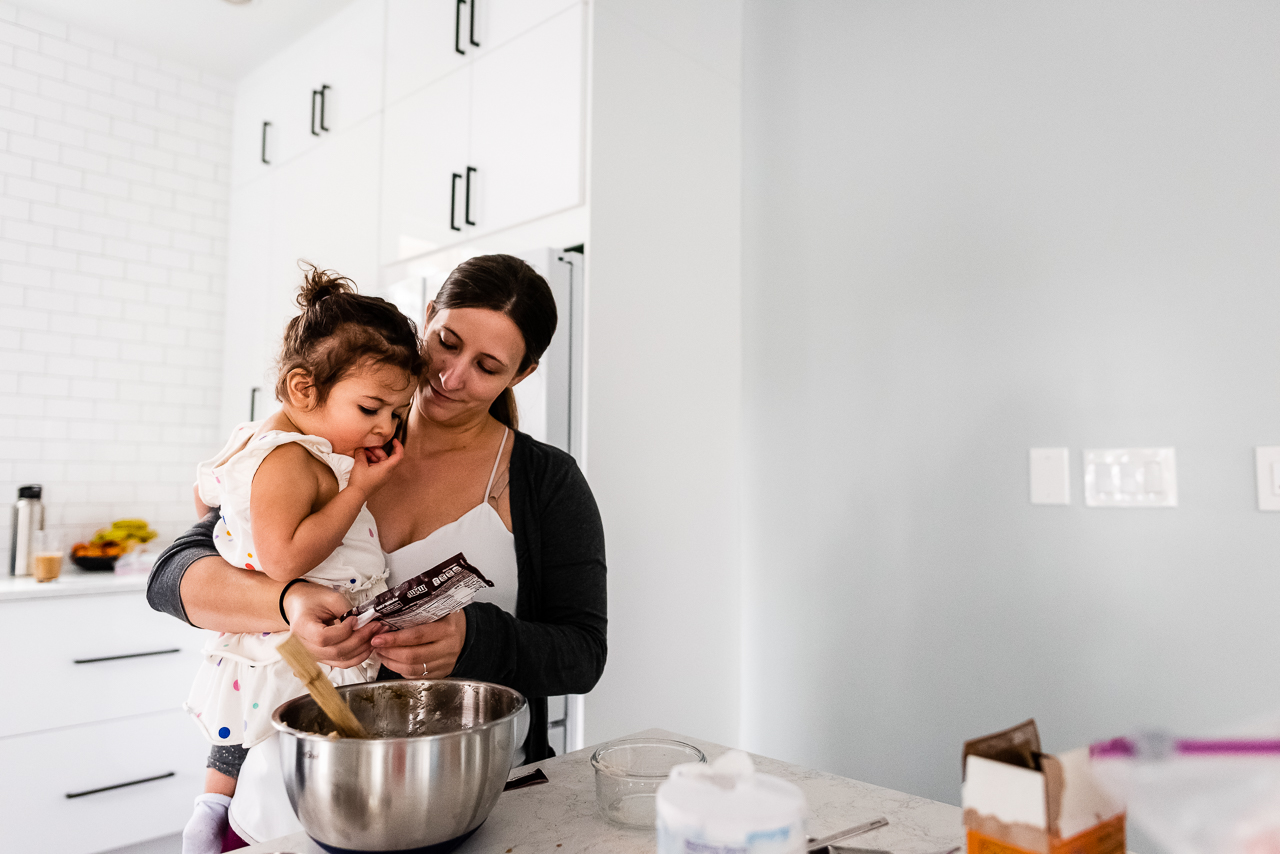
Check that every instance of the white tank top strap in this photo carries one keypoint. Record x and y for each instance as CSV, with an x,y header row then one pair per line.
x,y
494,473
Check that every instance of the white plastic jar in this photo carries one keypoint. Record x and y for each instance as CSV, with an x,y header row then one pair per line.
x,y
728,808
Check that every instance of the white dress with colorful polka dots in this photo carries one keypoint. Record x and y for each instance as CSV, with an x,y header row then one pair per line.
x,y
243,679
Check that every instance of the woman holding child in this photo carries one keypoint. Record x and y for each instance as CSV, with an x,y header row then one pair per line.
x,y
465,481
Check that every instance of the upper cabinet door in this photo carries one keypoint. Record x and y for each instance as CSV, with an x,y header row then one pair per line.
x,y
245,358
327,81
254,148
427,39
425,144
526,125
332,77
326,211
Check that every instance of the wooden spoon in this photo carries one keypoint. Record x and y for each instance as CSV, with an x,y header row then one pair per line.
x,y
320,688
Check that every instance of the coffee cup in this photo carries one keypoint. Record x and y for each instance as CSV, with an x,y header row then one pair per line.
x,y
46,555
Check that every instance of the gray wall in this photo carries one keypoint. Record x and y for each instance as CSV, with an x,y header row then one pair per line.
x,y
663,371
971,229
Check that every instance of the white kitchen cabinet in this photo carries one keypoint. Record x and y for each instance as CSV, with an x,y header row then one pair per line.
x,y
95,748
527,134
427,39
517,113
321,207
344,54
326,212
426,142
99,786
245,357
115,657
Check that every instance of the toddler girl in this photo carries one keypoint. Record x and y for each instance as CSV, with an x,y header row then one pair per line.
x,y
292,492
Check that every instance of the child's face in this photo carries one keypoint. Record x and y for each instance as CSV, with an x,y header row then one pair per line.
x,y
364,408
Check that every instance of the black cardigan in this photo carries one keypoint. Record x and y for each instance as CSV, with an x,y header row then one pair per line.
x,y
556,642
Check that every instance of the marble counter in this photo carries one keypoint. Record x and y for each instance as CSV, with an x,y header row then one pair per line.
x,y
560,817
72,582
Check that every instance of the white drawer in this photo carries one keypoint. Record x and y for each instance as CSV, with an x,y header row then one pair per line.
x,y
40,770
127,663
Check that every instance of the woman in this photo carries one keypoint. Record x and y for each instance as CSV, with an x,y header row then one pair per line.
x,y
520,510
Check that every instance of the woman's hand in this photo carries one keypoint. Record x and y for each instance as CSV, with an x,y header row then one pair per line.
x,y
313,610
435,646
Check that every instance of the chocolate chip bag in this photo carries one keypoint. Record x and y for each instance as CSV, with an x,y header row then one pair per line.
x,y
425,598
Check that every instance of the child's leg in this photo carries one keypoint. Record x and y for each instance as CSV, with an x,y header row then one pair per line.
x,y
204,831
217,783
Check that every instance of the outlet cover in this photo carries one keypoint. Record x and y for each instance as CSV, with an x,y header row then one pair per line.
x,y
1131,477
1050,476
1267,460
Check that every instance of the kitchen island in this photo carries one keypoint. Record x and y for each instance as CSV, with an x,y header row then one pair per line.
x,y
560,817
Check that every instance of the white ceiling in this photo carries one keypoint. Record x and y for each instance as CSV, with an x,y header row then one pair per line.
x,y
214,35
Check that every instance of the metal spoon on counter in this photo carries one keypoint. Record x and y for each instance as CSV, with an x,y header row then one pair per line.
x,y
819,846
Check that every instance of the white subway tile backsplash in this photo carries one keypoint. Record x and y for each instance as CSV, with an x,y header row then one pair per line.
x,y
49,257
61,133
14,121
19,36
115,168
68,52
29,146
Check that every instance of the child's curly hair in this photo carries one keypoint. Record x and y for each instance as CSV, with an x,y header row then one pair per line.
x,y
340,331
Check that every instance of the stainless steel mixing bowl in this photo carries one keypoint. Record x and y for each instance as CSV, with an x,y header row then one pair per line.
x,y
441,753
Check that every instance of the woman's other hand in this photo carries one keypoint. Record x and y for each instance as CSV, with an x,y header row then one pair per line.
x,y
313,612
433,645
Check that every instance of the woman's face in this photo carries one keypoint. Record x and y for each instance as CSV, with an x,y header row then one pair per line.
x,y
472,354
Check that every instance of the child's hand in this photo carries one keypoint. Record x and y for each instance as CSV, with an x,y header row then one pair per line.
x,y
373,466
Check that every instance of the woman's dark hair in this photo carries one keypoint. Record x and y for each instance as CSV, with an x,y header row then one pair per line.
x,y
339,330
505,283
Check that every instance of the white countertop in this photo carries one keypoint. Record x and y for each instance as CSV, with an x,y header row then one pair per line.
x,y
559,817
72,582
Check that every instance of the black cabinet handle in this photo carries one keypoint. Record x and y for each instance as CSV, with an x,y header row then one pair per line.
x,y
253,400
472,37
320,93
126,655
453,203
120,785
466,215
265,125
324,98
457,27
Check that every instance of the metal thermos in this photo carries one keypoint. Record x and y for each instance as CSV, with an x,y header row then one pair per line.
x,y
28,517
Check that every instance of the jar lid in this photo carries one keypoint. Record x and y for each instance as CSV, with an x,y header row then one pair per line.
x,y
29,491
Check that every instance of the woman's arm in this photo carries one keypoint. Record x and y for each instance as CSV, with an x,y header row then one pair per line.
x,y
192,582
564,651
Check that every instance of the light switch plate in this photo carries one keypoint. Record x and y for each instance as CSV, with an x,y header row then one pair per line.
x,y
1267,459
1131,477
1050,476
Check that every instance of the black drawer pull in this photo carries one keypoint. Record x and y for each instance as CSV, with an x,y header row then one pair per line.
x,y
265,125
472,37
466,216
120,785
453,203
127,655
457,27
324,99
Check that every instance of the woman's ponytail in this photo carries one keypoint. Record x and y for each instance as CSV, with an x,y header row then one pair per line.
x,y
504,409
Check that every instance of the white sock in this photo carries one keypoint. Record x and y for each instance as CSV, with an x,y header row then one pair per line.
x,y
204,830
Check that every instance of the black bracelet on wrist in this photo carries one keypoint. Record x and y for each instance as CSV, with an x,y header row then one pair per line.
x,y
283,591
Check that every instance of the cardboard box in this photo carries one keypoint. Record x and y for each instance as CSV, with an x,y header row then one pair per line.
x,y
1019,800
